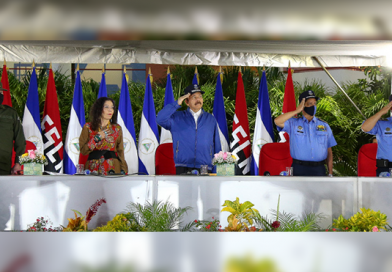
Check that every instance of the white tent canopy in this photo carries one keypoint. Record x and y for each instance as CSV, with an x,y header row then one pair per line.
x,y
203,52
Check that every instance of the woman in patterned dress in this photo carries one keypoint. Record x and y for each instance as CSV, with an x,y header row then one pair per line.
x,y
102,139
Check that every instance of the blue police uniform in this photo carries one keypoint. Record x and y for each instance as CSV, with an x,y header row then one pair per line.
x,y
383,132
309,143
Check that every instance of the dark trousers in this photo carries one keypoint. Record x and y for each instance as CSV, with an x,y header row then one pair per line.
x,y
307,170
184,170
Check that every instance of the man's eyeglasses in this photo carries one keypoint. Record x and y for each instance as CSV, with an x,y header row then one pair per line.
x,y
197,97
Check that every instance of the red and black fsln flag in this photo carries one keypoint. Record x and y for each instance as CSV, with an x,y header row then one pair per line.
x,y
51,129
240,139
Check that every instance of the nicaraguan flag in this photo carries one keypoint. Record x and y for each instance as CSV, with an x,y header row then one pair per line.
x,y
125,120
263,128
220,115
31,117
102,87
166,136
148,137
76,123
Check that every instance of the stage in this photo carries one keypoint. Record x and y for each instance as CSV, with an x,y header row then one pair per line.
x,y
24,198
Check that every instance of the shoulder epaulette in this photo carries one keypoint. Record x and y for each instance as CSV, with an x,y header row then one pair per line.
x,y
322,120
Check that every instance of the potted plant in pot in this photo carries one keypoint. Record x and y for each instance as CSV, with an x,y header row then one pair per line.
x,y
225,163
33,162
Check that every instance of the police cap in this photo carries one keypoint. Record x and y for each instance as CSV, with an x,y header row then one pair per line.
x,y
307,95
193,89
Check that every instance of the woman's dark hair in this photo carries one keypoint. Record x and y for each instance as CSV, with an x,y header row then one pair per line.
x,y
96,112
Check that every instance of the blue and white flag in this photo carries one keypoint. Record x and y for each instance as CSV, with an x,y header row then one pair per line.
x,y
31,117
220,115
102,87
148,136
76,123
125,120
263,128
166,136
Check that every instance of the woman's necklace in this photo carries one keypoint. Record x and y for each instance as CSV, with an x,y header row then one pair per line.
x,y
107,126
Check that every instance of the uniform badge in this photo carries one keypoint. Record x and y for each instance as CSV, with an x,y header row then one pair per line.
x,y
320,128
300,128
388,129
310,93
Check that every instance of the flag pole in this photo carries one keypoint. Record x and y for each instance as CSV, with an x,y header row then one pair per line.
x,y
337,84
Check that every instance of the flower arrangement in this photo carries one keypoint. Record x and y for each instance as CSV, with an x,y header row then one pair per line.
x,y
213,225
367,220
41,224
80,223
33,156
223,158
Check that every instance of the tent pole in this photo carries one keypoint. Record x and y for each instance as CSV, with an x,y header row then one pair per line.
x,y
337,84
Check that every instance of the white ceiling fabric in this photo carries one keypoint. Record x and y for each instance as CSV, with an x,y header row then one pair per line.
x,y
187,52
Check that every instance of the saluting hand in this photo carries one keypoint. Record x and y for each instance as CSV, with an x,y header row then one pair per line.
x,y
182,98
385,109
301,106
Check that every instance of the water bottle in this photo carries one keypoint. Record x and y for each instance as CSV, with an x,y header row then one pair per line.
x,y
384,174
284,173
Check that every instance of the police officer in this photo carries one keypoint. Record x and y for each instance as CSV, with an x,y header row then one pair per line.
x,y
383,131
11,130
311,139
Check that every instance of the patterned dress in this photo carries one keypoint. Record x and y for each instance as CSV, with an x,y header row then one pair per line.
x,y
114,142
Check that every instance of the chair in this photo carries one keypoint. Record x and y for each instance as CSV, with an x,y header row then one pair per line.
x,y
274,158
164,160
367,160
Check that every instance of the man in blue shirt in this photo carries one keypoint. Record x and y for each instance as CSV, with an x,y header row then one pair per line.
x,y
383,131
311,139
195,132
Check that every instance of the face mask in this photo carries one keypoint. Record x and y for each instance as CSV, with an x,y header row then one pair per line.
x,y
1,98
310,110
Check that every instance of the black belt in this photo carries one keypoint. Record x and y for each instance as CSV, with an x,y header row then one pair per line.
x,y
97,154
309,163
383,163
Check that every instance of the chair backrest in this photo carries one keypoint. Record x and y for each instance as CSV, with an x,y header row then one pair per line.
x,y
82,158
367,160
164,160
274,158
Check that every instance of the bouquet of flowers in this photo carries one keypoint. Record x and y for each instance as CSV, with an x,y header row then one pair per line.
x,y
224,157
42,225
33,156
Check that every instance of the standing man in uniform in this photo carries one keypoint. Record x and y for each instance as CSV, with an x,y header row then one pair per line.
x,y
383,131
311,139
11,130
195,132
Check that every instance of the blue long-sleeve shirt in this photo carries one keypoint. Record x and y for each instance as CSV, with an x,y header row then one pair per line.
x,y
192,145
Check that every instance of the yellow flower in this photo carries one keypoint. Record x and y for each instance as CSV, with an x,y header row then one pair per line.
x,y
25,155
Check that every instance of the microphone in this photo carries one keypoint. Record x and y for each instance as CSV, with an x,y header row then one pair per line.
x,y
193,172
